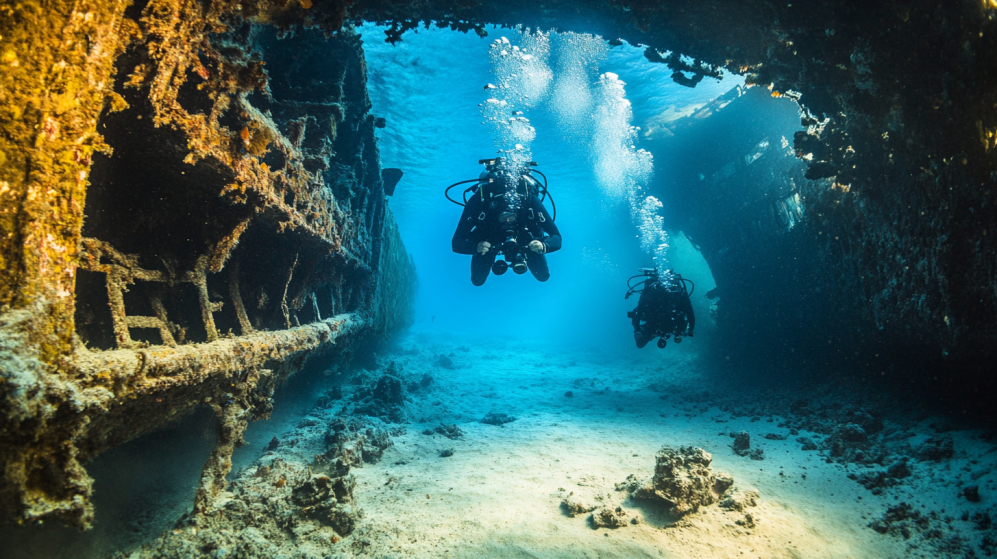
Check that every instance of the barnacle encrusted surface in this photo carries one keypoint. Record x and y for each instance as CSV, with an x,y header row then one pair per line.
x,y
186,226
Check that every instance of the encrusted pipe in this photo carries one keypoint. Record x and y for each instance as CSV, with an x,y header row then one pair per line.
x,y
150,322
116,300
191,364
201,281
236,295
233,423
283,300
318,313
160,310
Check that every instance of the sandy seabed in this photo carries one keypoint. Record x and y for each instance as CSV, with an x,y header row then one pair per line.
x,y
499,490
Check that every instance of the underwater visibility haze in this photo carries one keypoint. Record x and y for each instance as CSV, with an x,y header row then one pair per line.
x,y
254,340
589,107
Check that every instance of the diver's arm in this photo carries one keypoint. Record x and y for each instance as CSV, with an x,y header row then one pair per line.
x,y
686,307
552,243
640,313
635,318
462,242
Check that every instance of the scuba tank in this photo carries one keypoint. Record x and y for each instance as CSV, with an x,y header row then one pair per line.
x,y
669,280
495,181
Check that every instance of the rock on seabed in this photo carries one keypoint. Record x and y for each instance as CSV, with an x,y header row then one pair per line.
x,y
684,480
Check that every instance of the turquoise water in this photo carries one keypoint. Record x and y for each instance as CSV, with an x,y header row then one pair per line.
x,y
430,87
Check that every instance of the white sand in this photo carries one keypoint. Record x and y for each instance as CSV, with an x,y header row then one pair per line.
x,y
499,494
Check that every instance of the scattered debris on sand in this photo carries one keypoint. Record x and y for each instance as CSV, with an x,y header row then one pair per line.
x,y
573,507
446,362
451,432
498,419
742,446
610,518
295,502
738,500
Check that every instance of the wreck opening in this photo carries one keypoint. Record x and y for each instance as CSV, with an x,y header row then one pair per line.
x,y
725,176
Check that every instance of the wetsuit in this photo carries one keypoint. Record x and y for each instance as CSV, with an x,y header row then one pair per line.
x,y
479,223
664,311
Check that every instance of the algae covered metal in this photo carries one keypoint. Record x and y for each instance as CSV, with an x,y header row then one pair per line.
x,y
191,205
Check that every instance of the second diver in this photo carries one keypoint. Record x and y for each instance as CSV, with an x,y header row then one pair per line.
x,y
505,214
664,308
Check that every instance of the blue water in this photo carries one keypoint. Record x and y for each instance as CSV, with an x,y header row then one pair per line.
x,y
429,88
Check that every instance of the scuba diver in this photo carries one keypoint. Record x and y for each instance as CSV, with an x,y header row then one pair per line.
x,y
664,307
505,215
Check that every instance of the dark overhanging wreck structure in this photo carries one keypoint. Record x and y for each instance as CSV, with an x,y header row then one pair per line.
x,y
191,200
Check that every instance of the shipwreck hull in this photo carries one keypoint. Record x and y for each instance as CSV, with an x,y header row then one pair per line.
x,y
227,221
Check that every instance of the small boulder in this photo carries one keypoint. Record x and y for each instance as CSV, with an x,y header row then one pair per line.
x,y
807,443
389,390
853,433
572,507
742,442
376,442
445,362
742,446
610,518
451,432
683,480
899,469
738,500
971,493
936,449
497,419
748,521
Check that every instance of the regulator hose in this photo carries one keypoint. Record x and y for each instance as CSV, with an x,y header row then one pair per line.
x,y
447,191
546,194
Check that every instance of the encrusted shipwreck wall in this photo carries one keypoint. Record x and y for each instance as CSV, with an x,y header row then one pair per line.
x,y
192,205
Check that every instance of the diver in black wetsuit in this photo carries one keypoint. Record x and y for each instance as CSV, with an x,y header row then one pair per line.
x,y
664,308
504,214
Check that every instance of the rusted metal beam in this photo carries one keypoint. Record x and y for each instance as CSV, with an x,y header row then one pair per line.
x,y
161,367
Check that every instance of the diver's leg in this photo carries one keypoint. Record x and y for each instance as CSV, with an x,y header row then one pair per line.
x,y
680,327
538,265
481,266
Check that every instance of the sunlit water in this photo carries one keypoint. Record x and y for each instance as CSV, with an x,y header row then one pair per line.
x,y
584,102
